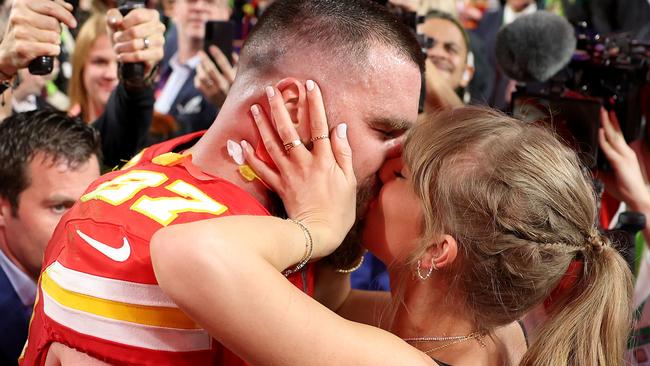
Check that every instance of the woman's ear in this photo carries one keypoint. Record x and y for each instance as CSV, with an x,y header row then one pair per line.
x,y
294,95
444,253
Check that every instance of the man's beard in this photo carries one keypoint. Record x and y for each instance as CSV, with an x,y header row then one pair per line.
x,y
348,254
350,251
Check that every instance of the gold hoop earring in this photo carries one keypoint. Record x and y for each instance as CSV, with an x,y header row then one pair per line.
x,y
429,272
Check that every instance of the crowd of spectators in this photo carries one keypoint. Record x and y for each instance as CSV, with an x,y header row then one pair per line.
x,y
59,131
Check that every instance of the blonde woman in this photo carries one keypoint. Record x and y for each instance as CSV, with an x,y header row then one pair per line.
x,y
486,219
94,70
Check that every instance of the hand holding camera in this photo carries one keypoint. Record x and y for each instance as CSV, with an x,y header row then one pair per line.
x,y
138,37
33,30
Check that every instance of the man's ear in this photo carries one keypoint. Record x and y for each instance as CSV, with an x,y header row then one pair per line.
x,y
5,211
442,254
468,74
294,95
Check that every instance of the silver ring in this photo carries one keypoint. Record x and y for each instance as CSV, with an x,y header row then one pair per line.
x,y
290,145
321,137
146,43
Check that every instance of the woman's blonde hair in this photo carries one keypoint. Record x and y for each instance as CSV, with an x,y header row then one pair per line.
x,y
521,209
92,29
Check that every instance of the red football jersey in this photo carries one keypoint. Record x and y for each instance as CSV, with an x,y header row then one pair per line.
x,y
97,291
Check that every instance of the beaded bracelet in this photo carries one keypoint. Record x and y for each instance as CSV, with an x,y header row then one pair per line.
x,y
309,249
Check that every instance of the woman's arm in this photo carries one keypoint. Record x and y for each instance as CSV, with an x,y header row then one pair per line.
x,y
228,280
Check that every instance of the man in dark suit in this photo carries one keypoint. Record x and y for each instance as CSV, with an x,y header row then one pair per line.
x,y
48,161
176,95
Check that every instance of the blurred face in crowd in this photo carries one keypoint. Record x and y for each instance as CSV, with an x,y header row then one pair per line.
x,y
190,16
100,72
518,5
53,189
449,51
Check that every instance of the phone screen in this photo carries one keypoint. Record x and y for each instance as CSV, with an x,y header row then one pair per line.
x,y
220,34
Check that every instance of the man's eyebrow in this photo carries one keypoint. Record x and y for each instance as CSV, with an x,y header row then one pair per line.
x,y
59,199
391,124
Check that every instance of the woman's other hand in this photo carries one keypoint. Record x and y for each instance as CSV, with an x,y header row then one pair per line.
x,y
317,186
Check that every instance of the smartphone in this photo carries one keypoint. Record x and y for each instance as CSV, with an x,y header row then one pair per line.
x,y
220,34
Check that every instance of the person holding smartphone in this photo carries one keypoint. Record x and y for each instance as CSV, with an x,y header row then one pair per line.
x,y
176,95
217,69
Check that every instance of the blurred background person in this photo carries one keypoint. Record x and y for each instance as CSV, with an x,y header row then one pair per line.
x,y
449,70
94,70
176,95
212,79
48,161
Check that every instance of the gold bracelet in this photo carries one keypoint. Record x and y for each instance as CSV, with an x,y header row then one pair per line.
x,y
309,249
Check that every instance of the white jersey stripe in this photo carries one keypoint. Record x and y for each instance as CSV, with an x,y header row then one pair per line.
x,y
131,334
108,288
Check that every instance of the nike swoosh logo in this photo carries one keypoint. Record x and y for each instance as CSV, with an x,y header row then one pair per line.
x,y
120,254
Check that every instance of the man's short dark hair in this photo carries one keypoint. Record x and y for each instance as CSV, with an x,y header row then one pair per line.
x,y
60,137
341,28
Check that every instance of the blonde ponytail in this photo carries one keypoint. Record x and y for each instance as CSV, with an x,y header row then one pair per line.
x,y
591,325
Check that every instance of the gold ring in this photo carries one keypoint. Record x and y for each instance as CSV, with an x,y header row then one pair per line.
x,y
321,137
290,145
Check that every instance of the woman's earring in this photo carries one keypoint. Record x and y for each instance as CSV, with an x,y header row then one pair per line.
x,y
428,274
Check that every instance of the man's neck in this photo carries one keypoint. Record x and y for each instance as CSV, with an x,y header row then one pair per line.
x,y
211,155
4,248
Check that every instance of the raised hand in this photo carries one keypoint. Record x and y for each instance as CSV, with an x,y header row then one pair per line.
x,y
318,187
212,81
137,37
33,30
625,182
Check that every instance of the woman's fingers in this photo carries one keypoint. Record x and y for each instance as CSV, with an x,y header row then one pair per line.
x,y
342,150
270,139
291,141
269,176
317,119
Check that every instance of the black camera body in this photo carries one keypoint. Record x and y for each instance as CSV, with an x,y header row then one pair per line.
x,y
605,72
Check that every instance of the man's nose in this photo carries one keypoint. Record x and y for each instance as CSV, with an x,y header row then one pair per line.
x,y
395,148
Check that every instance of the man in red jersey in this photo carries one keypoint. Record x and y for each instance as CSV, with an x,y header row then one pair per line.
x,y
99,301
